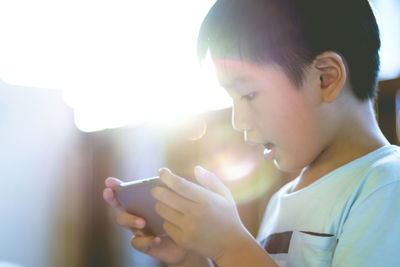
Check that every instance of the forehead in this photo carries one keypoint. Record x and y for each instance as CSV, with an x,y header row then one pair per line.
x,y
233,72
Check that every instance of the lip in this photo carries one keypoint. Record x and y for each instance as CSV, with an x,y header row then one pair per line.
x,y
269,151
252,143
268,145
269,148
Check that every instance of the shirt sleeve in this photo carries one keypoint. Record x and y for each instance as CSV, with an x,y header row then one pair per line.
x,y
371,233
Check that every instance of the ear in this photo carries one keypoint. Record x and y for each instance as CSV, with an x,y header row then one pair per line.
x,y
332,75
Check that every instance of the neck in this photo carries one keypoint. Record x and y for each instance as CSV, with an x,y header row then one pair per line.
x,y
358,135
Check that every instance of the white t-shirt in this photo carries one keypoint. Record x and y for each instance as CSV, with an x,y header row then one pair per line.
x,y
349,217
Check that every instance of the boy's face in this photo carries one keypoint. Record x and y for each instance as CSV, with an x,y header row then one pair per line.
x,y
273,113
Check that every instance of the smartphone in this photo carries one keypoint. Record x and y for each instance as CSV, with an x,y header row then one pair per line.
x,y
136,198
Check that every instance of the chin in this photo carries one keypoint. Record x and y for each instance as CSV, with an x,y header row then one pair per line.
x,y
287,167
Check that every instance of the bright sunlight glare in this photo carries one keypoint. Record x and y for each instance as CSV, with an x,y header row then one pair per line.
x,y
118,62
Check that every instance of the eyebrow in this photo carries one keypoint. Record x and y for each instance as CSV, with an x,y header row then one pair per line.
x,y
230,85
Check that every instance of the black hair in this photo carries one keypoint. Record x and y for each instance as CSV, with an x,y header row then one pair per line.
x,y
291,33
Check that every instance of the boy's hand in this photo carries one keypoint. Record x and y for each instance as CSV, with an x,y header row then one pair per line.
x,y
202,219
162,248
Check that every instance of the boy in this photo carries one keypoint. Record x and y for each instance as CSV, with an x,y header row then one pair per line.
x,y
302,77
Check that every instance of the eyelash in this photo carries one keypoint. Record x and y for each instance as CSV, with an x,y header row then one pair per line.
x,y
249,97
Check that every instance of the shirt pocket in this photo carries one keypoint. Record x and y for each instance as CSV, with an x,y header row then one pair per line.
x,y
311,249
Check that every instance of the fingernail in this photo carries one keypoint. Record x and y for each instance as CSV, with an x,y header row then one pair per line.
x,y
200,170
161,171
157,240
140,223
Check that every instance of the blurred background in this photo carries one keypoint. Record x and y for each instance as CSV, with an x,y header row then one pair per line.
x,y
91,89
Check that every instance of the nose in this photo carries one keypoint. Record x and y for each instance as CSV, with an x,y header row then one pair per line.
x,y
239,121
247,141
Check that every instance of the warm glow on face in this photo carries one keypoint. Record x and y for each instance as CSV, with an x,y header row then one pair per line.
x,y
234,166
117,62
238,170
244,171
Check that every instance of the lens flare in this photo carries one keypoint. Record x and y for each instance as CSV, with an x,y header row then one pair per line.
x,y
195,129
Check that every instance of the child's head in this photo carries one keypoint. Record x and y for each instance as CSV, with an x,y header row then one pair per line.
x,y
272,55
291,33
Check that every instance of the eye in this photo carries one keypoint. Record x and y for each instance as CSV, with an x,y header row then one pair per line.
x,y
249,97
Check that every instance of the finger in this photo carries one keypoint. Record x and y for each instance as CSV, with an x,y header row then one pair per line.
x,y
108,196
183,187
210,181
137,232
169,214
108,193
128,220
144,243
172,199
112,182
173,231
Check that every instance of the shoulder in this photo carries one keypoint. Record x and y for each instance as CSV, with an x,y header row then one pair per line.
x,y
389,157
383,172
385,169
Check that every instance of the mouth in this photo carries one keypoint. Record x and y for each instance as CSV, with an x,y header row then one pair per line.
x,y
268,148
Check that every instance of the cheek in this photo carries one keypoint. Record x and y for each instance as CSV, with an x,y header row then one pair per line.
x,y
294,118
298,138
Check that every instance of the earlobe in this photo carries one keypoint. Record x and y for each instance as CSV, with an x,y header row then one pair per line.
x,y
332,75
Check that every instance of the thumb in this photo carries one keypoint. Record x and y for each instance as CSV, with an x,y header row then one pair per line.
x,y
210,181
144,243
